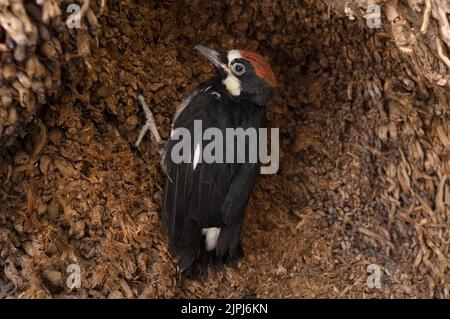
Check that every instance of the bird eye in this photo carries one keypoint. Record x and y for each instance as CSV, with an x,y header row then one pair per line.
x,y
238,68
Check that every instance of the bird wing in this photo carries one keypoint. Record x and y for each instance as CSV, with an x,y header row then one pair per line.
x,y
233,209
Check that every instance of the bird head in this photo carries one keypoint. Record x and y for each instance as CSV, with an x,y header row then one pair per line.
x,y
245,74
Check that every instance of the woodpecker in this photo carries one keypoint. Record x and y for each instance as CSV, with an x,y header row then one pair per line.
x,y
204,202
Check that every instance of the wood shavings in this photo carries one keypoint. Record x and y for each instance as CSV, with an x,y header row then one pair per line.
x,y
364,149
441,53
426,16
416,4
440,9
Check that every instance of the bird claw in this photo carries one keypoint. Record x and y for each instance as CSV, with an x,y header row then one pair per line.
x,y
150,124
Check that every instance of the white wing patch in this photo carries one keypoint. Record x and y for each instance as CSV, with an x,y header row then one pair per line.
x,y
196,157
212,234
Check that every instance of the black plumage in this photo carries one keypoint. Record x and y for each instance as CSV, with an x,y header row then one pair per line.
x,y
211,194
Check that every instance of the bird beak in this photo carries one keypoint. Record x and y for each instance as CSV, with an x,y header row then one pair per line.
x,y
218,59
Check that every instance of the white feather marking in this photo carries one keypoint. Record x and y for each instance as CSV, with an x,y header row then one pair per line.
x,y
217,95
172,133
233,55
196,156
232,84
212,234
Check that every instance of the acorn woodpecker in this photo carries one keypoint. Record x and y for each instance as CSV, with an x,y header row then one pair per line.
x,y
204,200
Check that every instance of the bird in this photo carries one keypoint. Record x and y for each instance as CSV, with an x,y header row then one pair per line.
x,y
204,202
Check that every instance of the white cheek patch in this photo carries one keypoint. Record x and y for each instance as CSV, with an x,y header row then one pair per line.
x,y
212,235
232,84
